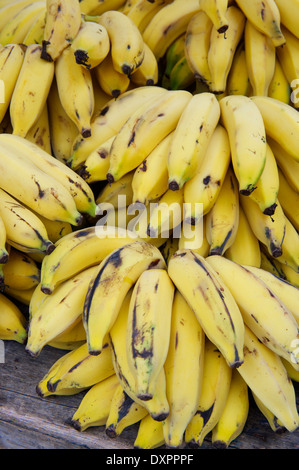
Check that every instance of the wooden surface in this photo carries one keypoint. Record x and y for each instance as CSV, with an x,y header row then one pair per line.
x,y
30,422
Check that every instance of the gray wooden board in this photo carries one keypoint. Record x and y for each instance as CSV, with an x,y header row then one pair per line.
x,y
30,422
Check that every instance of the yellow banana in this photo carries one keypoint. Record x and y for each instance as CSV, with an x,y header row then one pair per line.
x,y
94,7
118,194
238,82
165,215
270,417
289,10
216,11
279,87
290,253
18,26
284,272
288,166
55,229
112,82
13,322
97,163
8,10
147,74
149,434
39,134
4,250
11,60
141,8
193,236
288,57
35,34
20,272
289,200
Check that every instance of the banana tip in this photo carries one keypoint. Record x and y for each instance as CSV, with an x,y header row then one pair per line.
x,y
173,186
110,431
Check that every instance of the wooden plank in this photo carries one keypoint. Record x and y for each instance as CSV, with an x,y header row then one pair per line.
x,y
28,421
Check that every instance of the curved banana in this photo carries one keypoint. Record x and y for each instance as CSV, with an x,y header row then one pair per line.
x,y
149,320
75,88
288,166
165,215
39,134
290,245
97,163
248,146
270,417
216,11
58,311
118,194
55,229
205,292
111,80
123,412
193,236
94,7
282,271
266,376
13,324
20,272
35,34
93,409
30,92
238,82
279,87
63,21
265,16
183,379
288,56
8,10
223,219
139,10
289,10
11,60
18,26
91,44
191,138
149,434
70,339
223,47
216,382
147,74
145,129
289,200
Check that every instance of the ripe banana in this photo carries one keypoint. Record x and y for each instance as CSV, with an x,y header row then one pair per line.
x,y
11,60
24,230
144,130
266,376
30,92
289,60
94,7
238,82
118,194
245,248
147,74
265,314
18,26
93,409
235,413
122,268
13,324
97,163
279,87
75,88
58,312
216,11
287,164
149,320
284,272
165,215
289,10
20,272
248,146
126,42
111,81
265,16
55,229
8,10
4,250
205,292
91,44
168,24
281,123
289,200
183,379
191,137
123,412
139,10
270,417
223,47
216,381
63,21
290,246
35,34
39,134
149,434
223,219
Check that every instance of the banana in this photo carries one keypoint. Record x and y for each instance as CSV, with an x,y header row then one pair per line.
x,y
289,200
118,194
110,120
123,412
269,230
150,434
24,230
141,8
235,413
174,53
270,417
63,130
75,88
266,315
100,97
4,250
223,47
22,296
183,379
69,179
191,138
158,406
260,54
94,7
13,324
216,382
194,237
63,21
81,370
165,215
149,320
266,190
265,16
8,11
205,185
284,272
93,409
30,92
238,82
248,146
245,248
147,74
126,42
279,87
181,76
223,219
150,179
79,250
290,245
169,247
289,10
281,123
287,165
266,376
91,44
58,312
216,11
197,45
11,60
205,292
168,24
35,34
292,372
111,81
20,272
39,134
70,339
97,163
122,268
144,130
55,229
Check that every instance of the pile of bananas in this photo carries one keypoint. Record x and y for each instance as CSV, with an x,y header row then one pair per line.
x,y
154,233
